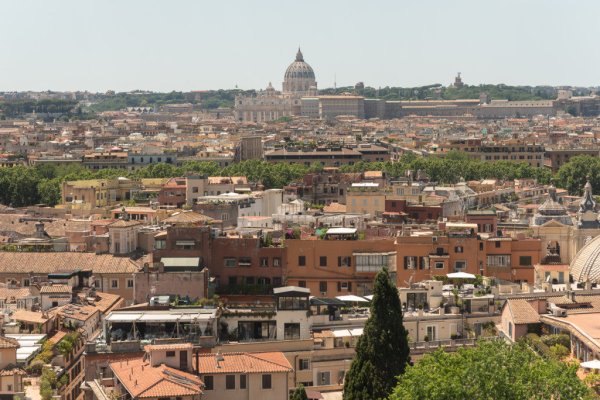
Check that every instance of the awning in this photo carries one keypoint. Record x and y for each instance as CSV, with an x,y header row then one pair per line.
x,y
460,275
369,297
323,301
341,333
185,243
180,261
123,317
356,331
352,298
159,317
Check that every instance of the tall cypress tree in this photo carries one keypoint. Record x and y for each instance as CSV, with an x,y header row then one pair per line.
x,y
382,352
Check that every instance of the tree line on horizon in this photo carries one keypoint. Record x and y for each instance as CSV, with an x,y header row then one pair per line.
x,y
41,184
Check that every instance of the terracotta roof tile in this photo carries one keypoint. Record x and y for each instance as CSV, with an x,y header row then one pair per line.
x,y
8,343
523,312
55,289
24,262
172,346
244,363
143,381
29,316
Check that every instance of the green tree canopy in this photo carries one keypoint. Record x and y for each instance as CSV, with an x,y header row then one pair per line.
x,y
573,175
299,393
382,352
491,370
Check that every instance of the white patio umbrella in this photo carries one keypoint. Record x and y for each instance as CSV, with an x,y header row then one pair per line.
x,y
460,275
593,364
369,297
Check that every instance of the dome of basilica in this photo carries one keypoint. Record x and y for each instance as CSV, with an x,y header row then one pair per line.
x,y
299,77
299,68
586,264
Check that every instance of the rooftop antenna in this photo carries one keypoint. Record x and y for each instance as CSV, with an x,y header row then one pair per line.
x,y
334,82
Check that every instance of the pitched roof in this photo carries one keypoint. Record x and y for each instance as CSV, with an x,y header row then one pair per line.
x,y
173,346
8,343
36,262
522,312
123,224
29,316
244,363
142,380
187,217
55,289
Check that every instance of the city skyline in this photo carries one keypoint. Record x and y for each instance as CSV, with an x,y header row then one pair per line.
x,y
192,46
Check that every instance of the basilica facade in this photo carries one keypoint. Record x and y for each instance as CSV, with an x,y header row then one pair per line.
x,y
270,105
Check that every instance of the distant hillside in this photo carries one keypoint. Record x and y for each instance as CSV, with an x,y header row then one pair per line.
x,y
209,99
437,91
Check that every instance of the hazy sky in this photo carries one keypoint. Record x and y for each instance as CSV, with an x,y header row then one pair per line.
x,y
200,44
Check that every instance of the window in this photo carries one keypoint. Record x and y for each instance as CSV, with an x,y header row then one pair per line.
x,y
323,261
323,287
481,246
208,382
525,261
341,376
264,262
374,262
498,260
460,265
410,262
498,244
229,262
243,379
230,382
114,283
302,261
302,283
344,261
431,333
245,262
323,378
25,282
304,364
170,353
291,331
266,381
277,262
195,189
249,280
276,281
439,265
458,249
344,285
129,283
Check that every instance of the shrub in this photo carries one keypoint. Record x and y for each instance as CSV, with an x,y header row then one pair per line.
x,y
540,347
562,339
559,351
35,368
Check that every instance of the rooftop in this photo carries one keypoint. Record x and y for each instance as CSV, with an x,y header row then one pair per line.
x,y
244,363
